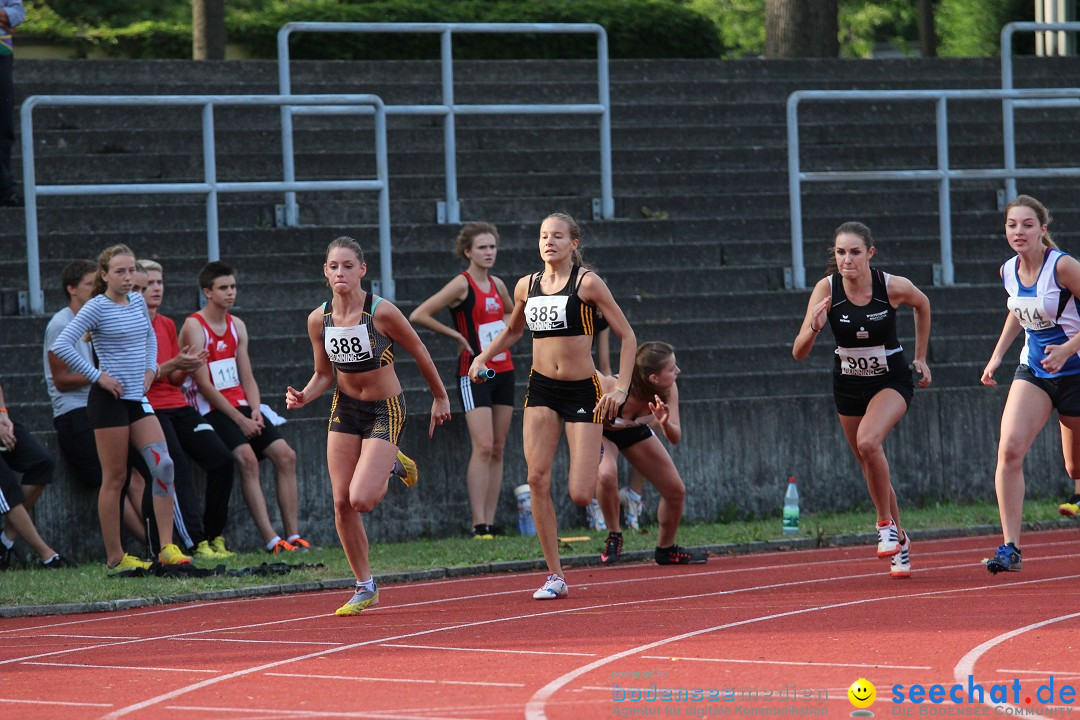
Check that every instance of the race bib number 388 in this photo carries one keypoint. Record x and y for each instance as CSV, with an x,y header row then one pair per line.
x,y
863,362
347,344
546,312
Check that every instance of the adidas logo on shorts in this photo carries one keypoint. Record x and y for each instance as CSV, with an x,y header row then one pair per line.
x,y
581,411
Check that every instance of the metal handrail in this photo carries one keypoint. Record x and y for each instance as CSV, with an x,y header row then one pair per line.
x,y
943,173
210,186
449,109
1007,106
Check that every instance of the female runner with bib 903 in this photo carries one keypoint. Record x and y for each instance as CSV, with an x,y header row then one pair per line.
x,y
478,302
872,382
352,336
559,304
1043,284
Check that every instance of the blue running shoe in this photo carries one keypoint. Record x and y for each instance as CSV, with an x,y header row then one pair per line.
x,y
1006,559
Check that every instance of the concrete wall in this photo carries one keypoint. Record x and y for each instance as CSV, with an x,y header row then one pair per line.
x,y
735,459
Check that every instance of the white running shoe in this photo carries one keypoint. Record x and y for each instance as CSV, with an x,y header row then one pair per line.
x,y
632,507
888,540
555,587
595,516
901,561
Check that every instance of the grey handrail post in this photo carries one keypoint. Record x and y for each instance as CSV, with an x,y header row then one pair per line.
x,y
446,49
944,201
1007,109
798,265
288,165
1008,130
213,244
382,173
33,264
607,191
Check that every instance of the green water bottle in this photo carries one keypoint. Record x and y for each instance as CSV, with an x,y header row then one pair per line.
x,y
791,508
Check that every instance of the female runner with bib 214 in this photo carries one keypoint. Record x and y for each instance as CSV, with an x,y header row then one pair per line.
x,y
1043,284
352,336
872,383
559,304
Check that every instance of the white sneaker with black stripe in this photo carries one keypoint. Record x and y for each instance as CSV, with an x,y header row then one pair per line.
x,y
901,561
888,539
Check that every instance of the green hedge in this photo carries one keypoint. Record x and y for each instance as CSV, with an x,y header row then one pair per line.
x,y
635,28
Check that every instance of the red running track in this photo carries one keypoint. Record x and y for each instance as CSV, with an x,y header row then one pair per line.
x,y
760,632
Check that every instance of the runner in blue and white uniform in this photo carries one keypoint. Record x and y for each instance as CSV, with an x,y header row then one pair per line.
x,y
872,383
1043,285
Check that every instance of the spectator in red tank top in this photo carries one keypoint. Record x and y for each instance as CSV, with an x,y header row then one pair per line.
x,y
478,303
187,434
225,392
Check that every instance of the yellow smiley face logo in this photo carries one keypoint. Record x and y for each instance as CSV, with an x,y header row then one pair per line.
x,y
862,693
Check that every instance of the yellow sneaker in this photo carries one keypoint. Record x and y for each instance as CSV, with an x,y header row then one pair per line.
x,y
205,552
1069,509
361,599
128,562
405,468
218,546
171,555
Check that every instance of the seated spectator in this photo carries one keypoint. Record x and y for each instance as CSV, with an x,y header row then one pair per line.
x,y
187,434
225,392
68,392
21,453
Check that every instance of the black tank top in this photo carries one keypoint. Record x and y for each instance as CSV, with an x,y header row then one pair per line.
x,y
360,348
865,334
561,314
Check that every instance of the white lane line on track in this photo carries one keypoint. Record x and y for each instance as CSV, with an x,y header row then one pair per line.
x,y
528,616
486,650
1055,673
240,640
16,701
75,637
966,666
534,708
106,617
120,667
277,714
423,681
683,658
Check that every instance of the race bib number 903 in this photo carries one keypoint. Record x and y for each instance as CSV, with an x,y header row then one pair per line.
x,y
863,362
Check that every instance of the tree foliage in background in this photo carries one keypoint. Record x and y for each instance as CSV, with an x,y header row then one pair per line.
x,y
162,28
636,28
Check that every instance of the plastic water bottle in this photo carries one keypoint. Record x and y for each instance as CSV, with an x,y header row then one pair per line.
x,y
791,508
526,526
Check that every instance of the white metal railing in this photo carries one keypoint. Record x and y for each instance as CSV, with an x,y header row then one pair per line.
x,y
450,209
1007,105
210,185
943,174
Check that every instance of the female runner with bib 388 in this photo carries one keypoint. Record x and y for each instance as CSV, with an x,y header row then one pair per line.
x,y
872,382
352,337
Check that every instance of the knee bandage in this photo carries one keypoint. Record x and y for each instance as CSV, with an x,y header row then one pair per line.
x,y
161,469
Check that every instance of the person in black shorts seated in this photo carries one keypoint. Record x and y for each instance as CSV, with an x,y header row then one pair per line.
x,y
872,382
653,401
478,303
559,305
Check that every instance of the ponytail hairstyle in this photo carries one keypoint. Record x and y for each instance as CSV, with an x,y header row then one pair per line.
x,y
106,256
1040,212
651,359
849,228
575,234
469,233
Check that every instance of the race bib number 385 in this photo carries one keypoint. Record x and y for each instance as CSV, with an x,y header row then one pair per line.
x,y
546,312
863,362
347,344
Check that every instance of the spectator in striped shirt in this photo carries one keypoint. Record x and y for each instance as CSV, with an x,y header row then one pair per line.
x,y
126,348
